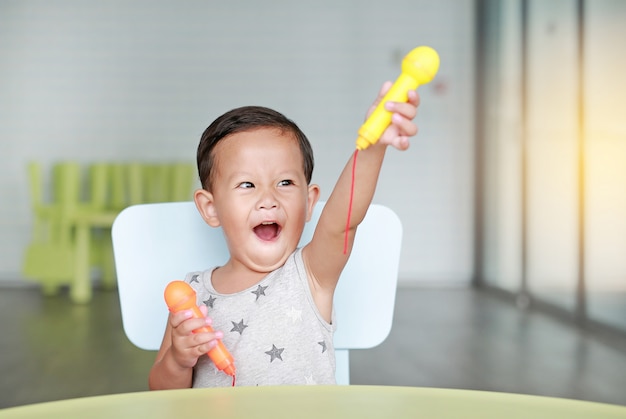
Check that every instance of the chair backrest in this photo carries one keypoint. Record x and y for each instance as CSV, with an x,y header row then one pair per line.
x,y
157,243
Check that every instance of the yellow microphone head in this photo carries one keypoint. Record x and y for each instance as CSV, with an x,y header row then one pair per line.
x,y
422,63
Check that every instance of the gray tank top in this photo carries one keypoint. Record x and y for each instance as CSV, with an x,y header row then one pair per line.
x,y
273,330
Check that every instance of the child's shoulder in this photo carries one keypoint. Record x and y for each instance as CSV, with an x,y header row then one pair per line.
x,y
199,280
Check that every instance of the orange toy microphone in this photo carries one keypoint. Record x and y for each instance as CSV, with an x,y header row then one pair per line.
x,y
180,296
418,67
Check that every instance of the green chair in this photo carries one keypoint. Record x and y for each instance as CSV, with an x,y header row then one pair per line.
x,y
64,248
182,180
49,258
72,233
117,199
135,183
167,182
156,178
100,198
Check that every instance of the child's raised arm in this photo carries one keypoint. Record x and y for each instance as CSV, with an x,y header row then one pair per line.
x,y
324,255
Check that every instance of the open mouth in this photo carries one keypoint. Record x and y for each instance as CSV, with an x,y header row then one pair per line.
x,y
267,231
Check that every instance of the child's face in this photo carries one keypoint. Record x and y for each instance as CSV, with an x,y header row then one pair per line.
x,y
260,197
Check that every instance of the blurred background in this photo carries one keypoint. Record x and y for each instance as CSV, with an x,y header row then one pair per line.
x,y
514,189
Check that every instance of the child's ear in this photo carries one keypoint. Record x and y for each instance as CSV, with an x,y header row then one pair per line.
x,y
206,207
314,196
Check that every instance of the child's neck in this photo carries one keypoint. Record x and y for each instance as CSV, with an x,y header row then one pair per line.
x,y
230,279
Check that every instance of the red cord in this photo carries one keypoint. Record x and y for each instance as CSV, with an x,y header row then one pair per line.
x,y
233,380
345,242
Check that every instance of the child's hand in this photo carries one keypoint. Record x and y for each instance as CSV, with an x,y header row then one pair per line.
x,y
187,346
402,126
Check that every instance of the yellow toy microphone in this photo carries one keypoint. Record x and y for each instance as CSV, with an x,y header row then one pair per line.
x,y
418,67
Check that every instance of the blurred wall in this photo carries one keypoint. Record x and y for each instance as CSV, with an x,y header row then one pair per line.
x,y
554,153
118,80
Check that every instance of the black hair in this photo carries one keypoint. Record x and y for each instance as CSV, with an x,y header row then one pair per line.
x,y
247,118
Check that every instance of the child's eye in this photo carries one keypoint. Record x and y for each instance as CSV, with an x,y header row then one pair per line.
x,y
285,182
246,185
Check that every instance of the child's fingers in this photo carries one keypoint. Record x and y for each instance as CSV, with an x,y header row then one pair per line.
x,y
207,346
404,125
187,349
400,142
183,322
384,89
414,98
407,110
204,341
196,343
177,318
381,93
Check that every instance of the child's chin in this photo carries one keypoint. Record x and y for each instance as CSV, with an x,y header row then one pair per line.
x,y
271,258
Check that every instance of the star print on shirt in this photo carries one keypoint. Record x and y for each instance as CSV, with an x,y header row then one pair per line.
x,y
238,327
309,380
259,292
294,314
210,301
323,345
275,353
194,278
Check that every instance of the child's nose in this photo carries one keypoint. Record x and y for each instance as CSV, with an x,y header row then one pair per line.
x,y
267,200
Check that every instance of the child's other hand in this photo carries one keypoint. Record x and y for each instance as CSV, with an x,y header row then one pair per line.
x,y
187,346
402,126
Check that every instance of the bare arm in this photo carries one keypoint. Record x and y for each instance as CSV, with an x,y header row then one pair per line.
x,y
324,255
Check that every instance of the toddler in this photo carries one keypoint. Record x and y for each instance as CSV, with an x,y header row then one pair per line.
x,y
271,303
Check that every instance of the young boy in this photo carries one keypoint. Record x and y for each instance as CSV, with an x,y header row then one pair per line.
x,y
271,303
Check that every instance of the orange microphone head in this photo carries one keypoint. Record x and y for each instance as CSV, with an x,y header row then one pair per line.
x,y
179,296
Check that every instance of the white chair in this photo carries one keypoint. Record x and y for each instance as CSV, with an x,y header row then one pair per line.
x,y
157,243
